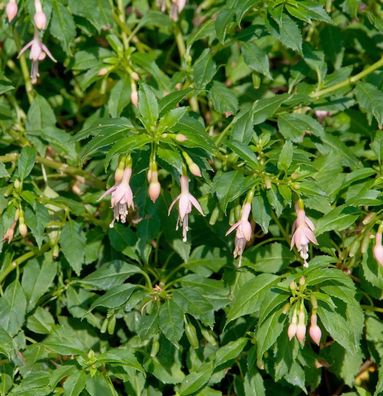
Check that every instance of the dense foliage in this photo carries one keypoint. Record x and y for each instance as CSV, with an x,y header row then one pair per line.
x,y
261,121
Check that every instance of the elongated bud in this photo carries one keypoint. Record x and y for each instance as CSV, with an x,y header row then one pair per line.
x,y
119,173
193,167
293,285
315,331
40,20
40,17
23,230
134,93
11,10
302,280
8,236
378,248
154,190
301,328
292,330
195,170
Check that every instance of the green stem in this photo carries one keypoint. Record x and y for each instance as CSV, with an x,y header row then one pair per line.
x,y
348,81
223,133
15,263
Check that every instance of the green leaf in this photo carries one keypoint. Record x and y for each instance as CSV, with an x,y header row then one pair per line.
x,y
26,162
72,242
221,23
265,108
171,118
231,185
119,98
229,351
370,99
243,126
127,144
337,219
269,331
194,381
295,126
244,153
75,383
204,69
5,85
6,343
147,106
37,222
287,31
40,115
13,305
98,12
62,25
170,101
256,58
250,296
41,322
286,156
192,302
37,279
223,99
115,297
171,321
261,211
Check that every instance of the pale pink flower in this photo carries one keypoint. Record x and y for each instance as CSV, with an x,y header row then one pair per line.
x,y
122,197
11,10
301,328
243,231
378,248
186,202
40,17
315,331
303,233
38,52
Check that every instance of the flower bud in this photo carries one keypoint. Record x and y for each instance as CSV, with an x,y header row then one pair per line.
x,y
154,190
292,330
11,10
134,94
302,280
23,230
102,72
8,236
378,248
315,331
194,169
293,285
301,328
40,20
180,137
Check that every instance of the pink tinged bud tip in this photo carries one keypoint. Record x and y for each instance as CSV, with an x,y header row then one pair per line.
x,y
40,20
301,328
195,170
303,234
292,331
378,249
315,331
243,231
122,198
11,10
154,186
185,203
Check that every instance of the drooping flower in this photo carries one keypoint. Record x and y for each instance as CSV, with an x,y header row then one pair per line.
x,y
243,231
122,197
185,203
315,331
40,17
38,52
303,233
378,248
11,10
